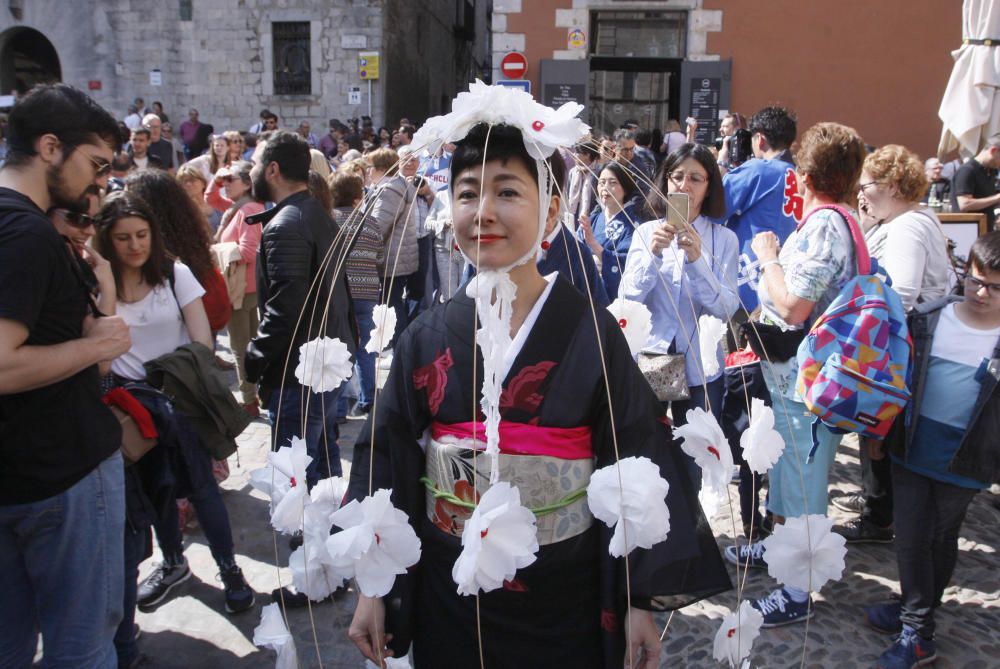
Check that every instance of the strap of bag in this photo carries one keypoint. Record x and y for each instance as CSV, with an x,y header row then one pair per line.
x,y
860,247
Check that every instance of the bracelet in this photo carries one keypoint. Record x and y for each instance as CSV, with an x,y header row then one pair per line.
x,y
766,263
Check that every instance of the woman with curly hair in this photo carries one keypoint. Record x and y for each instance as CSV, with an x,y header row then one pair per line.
x,y
185,234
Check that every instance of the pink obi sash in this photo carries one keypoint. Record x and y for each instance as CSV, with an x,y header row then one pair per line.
x,y
565,443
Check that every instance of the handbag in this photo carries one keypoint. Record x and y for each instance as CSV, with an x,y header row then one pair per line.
x,y
771,342
666,374
134,445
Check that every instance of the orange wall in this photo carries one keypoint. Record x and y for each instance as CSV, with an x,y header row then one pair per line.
x,y
880,67
537,21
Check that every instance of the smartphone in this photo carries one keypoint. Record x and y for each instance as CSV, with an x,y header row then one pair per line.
x,y
678,211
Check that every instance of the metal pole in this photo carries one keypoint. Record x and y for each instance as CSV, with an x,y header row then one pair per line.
x,y
370,98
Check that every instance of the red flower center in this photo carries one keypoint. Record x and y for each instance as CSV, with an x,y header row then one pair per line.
x,y
731,632
482,535
622,323
537,125
714,451
545,246
378,539
293,481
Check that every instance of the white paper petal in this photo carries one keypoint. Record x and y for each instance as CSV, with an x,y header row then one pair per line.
x,y
384,318
311,574
762,445
710,332
635,321
273,633
324,364
397,663
705,442
736,635
497,540
631,497
805,553
283,479
376,543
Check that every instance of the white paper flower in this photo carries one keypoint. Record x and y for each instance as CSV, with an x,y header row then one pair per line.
x,y
397,663
376,543
736,635
761,443
324,364
543,128
805,553
635,321
273,633
384,318
313,573
631,496
710,332
497,540
283,479
705,442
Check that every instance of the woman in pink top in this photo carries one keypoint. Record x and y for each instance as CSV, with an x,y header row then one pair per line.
x,y
230,192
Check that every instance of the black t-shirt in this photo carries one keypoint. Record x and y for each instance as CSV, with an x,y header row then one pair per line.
x,y
974,180
163,151
50,437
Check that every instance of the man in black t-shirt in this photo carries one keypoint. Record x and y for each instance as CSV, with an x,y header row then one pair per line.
x,y
62,501
973,188
159,148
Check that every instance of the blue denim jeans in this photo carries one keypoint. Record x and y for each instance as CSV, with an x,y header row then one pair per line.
x,y
135,548
61,573
366,361
287,409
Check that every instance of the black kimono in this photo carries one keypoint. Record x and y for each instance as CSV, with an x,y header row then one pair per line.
x,y
567,609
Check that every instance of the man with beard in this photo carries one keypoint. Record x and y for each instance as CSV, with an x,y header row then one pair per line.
x,y
294,282
62,504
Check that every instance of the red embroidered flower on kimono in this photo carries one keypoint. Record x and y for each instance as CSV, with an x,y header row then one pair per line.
x,y
446,514
609,621
522,391
434,377
793,203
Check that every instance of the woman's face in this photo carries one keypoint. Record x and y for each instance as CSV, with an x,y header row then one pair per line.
x,y
875,198
495,211
236,187
236,148
220,146
77,229
384,134
342,147
610,191
195,190
130,239
691,178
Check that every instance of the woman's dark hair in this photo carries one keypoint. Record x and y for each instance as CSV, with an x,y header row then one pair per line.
x,y
117,206
625,178
714,205
504,143
184,228
985,253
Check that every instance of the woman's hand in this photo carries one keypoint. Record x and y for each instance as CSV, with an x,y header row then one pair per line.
x,y
644,645
766,246
689,241
588,236
367,629
662,238
101,267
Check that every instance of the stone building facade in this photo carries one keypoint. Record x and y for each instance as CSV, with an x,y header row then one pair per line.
x,y
231,58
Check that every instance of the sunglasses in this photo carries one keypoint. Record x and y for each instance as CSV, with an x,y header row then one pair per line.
x,y
76,219
101,167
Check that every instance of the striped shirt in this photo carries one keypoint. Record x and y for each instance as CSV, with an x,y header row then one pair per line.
x,y
362,261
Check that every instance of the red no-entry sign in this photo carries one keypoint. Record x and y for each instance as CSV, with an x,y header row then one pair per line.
x,y
514,65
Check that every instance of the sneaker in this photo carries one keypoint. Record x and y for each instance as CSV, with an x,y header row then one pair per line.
x,y
909,650
164,578
853,503
747,555
778,609
359,412
755,533
239,595
863,531
884,618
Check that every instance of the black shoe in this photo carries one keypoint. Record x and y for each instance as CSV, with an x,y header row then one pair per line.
x,y
863,531
289,599
239,595
295,541
155,587
359,412
853,503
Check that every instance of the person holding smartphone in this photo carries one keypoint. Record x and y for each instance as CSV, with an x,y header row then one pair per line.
x,y
683,265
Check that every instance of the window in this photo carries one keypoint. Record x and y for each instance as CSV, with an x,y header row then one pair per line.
x,y
187,10
639,34
292,66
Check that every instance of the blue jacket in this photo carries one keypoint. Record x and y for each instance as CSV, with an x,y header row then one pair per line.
x,y
571,258
615,236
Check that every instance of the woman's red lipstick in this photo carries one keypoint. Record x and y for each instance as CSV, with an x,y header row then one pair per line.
x,y
489,239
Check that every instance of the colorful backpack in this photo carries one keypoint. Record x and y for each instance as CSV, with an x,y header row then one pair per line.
x,y
854,365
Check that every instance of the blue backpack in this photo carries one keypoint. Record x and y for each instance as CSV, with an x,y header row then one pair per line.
x,y
854,364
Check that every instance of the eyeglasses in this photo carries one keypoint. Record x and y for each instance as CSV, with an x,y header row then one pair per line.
x,y
233,177
101,167
626,149
76,219
863,187
678,178
608,183
992,289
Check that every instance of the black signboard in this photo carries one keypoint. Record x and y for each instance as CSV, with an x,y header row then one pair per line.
x,y
705,94
555,95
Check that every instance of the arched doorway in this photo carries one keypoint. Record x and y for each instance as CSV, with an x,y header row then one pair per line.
x,y
27,58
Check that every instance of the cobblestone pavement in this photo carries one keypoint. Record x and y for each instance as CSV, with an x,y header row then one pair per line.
x,y
191,630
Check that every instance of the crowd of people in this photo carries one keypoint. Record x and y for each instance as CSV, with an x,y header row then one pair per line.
x,y
126,249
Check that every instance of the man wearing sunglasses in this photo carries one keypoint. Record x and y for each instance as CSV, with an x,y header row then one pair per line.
x,y
62,506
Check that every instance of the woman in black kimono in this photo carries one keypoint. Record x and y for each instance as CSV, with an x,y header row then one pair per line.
x,y
572,391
